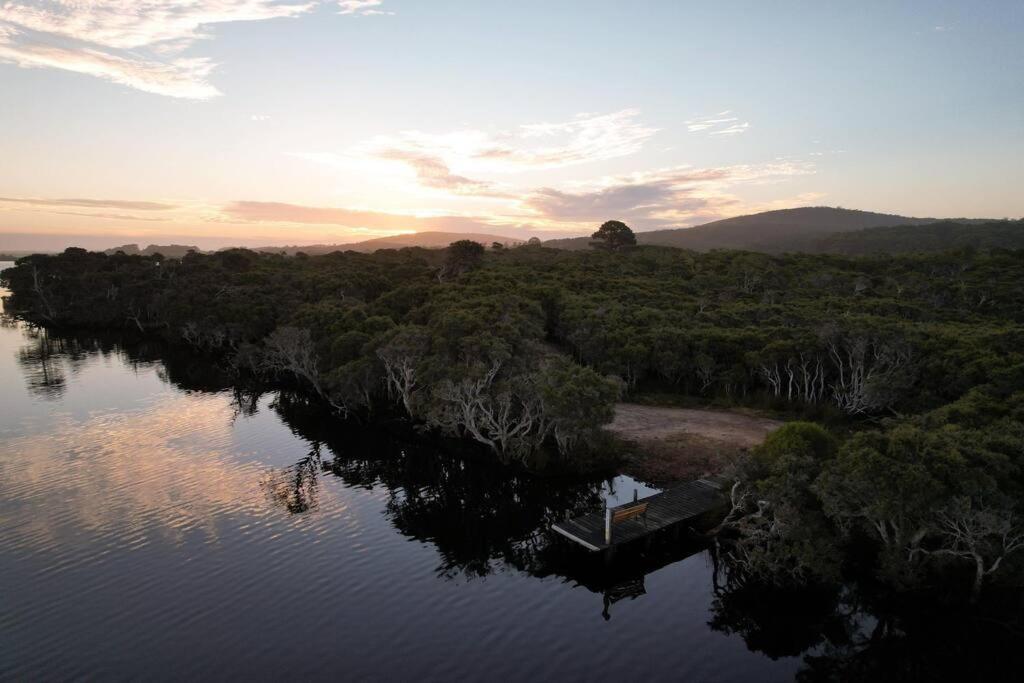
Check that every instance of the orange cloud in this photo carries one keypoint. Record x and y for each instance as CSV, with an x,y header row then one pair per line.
x,y
129,205
277,212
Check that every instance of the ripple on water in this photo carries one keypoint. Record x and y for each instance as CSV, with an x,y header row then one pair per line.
x,y
151,532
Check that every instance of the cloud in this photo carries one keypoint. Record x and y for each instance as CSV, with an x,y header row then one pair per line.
x,y
123,204
626,201
722,123
706,122
64,207
362,7
132,42
734,129
657,199
131,24
450,162
112,216
585,138
178,78
434,173
278,212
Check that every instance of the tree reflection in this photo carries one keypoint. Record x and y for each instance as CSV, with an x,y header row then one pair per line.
x,y
483,518
860,630
778,620
919,642
295,488
7,322
478,514
245,401
42,361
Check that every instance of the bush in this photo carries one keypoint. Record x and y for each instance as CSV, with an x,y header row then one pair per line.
x,y
797,439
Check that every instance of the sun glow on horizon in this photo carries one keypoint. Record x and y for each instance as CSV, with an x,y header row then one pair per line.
x,y
256,122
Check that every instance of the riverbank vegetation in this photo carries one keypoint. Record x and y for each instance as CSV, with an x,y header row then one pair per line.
x,y
917,362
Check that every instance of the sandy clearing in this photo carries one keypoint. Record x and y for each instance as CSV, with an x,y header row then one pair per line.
x,y
673,445
642,423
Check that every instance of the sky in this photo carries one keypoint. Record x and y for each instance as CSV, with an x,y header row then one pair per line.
x,y
272,122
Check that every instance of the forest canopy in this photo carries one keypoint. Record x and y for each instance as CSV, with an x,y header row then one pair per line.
x,y
517,346
918,360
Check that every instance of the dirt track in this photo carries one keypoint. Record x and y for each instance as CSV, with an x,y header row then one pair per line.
x,y
679,444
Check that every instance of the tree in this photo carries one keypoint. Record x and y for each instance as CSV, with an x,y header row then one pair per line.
x,y
576,400
801,439
402,355
463,256
890,484
984,535
613,236
290,350
871,370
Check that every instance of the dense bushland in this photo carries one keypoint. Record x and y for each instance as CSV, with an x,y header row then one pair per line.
x,y
487,343
920,357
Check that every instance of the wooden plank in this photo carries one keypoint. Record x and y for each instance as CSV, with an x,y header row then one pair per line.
x,y
663,510
572,537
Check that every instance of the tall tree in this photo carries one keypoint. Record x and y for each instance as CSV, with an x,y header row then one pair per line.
x,y
463,256
613,236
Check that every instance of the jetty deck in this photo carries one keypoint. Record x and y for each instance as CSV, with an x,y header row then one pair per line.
x,y
675,506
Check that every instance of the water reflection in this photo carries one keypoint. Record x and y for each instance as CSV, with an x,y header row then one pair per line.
x,y
295,488
480,517
43,363
334,523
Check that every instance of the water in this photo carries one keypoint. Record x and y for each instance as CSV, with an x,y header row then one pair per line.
x,y
155,524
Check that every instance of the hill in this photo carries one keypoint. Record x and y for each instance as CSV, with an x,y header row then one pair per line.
x,y
425,240
167,250
771,231
14,255
924,238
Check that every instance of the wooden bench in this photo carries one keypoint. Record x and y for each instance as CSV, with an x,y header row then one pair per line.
x,y
622,514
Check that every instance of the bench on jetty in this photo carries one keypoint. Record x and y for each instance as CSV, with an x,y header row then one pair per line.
x,y
624,523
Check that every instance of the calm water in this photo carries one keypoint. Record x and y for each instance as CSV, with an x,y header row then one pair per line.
x,y
154,525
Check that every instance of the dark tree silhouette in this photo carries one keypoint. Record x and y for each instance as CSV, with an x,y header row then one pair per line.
x,y
463,256
613,236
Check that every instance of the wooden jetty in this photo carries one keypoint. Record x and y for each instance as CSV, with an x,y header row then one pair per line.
x,y
631,521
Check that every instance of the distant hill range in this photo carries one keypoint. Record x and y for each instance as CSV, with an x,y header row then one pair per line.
x,y
806,229
426,240
166,250
14,255
816,229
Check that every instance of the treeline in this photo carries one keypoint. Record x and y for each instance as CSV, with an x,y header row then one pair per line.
x,y
165,250
933,237
518,347
394,330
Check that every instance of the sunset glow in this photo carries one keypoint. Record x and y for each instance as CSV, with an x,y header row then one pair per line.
x,y
257,122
